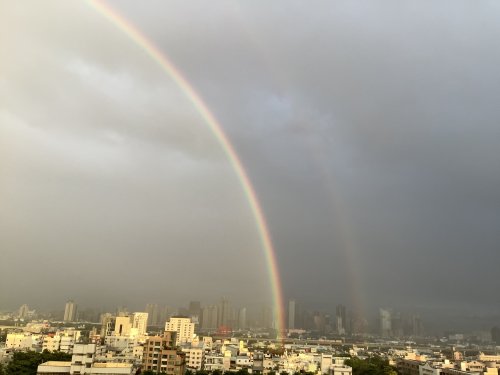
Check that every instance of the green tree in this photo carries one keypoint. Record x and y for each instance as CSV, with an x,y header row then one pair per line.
x,y
371,366
26,363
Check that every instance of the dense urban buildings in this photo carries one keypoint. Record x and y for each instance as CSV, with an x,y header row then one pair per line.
x,y
314,341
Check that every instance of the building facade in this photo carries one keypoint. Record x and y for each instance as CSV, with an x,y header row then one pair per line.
x,y
161,355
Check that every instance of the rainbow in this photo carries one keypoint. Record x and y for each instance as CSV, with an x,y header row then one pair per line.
x,y
168,67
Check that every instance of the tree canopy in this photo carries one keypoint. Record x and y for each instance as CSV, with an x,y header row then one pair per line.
x,y
26,363
370,366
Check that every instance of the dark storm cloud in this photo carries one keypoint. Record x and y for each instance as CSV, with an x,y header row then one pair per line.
x,y
370,131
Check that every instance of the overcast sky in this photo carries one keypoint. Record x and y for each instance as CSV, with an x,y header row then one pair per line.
x,y
369,129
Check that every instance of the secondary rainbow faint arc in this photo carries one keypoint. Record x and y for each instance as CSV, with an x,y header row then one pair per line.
x,y
167,66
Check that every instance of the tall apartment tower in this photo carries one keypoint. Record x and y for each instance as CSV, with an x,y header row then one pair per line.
x,y
23,311
268,317
209,317
242,318
153,314
385,322
224,313
194,308
341,319
291,314
70,311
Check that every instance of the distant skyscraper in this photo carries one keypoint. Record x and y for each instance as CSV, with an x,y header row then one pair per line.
x,y
153,314
70,311
385,322
341,319
268,319
194,308
319,321
495,335
209,317
165,313
23,311
357,323
223,313
291,314
122,311
242,318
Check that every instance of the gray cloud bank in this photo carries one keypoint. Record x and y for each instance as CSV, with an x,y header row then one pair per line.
x,y
370,131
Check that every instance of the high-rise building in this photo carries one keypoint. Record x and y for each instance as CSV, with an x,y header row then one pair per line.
x,y
165,312
385,322
140,322
319,321
357,323
268,318
341,319
161,356
495,335
153,314
209,318
223,313
23,311
242,318
131,325
70,311
183,327
122,311
291,314
194,308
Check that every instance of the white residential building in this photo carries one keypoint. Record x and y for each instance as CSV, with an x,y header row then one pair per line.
x,y
183,327
131,325
22,341
63,341
83,361
140,322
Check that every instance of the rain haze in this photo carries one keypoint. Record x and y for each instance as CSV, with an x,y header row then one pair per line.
x,y
370,132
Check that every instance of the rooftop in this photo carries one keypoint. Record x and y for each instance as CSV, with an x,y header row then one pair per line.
x,y
56,364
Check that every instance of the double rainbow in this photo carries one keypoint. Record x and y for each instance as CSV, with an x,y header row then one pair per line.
x,y
162,60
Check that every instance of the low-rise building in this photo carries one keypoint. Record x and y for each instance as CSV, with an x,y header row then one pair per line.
x,y
84,362
217,362
408,366
23,341
194,358
53,368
